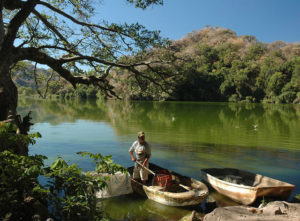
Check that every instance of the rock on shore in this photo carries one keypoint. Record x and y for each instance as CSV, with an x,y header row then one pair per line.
x,y
278,210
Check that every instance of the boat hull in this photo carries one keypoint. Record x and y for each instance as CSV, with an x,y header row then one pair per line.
x,y
262,186
243,195
195,191
189,198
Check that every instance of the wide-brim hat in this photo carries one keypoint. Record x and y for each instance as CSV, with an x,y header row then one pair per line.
x,y
141,134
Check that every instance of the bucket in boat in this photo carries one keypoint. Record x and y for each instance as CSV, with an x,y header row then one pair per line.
x,y
163,179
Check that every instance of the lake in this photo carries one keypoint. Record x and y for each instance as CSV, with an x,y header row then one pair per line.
x,y
185,137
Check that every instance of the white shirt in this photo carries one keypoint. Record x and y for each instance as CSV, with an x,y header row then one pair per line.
x,y
141,150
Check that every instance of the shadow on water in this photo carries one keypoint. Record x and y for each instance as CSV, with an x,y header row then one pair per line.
x,y
133,207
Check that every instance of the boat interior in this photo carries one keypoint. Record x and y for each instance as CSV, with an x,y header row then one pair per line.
x,y
244,178
179,184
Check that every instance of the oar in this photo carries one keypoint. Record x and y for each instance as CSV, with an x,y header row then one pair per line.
x,y
150,171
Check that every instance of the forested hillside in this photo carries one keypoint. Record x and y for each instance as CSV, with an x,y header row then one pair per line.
x,y
213,64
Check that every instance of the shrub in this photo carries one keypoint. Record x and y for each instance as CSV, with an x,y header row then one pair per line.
x,y
19,186
275,83
234,98
249,99
69,193
287,97
11,140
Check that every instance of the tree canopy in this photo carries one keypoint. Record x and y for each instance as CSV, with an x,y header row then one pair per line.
x,y
65,36
214,64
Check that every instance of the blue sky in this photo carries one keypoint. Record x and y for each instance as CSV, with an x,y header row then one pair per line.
x,y
267,20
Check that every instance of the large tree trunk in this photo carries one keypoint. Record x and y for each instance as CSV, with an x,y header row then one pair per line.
x,y
8,93
8,103
8,106
8,90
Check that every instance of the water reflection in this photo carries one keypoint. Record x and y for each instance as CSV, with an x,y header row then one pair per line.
x,y
252,125
140,209
185,136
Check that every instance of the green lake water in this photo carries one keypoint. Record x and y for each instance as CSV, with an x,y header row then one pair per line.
x,y
185,137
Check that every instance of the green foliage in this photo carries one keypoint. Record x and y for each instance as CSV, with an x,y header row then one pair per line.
x,y
255,51
64,90
264,202
18,184
234,98
275,84
216,65
104,164
210,65
25,91
10,139
296,73
248,99
69,192
287,97
72,191
80,92
99,95
144,4
296,199
60,35
91,92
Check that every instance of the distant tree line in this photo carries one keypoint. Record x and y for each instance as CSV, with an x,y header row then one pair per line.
x,y
81,92
213,64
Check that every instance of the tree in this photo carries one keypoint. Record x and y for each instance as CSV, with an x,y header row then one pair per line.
x,y
61,35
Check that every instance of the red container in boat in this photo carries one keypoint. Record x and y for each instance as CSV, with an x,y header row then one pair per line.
x,y
163,179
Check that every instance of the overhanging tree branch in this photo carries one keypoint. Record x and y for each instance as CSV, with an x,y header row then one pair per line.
x,y
1,24
138,73
76,21
16,22
51,27
13,4
79,57
50,41
35,55
37,85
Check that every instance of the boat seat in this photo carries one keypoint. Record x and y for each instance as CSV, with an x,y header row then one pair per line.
x,y
231,178
158,188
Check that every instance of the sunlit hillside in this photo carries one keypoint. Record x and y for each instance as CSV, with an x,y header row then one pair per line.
x,y
214,64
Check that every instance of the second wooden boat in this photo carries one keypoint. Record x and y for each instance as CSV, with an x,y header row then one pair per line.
x,y
184,191
244,187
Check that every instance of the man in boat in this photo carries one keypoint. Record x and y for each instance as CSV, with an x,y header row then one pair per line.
x,y
142,151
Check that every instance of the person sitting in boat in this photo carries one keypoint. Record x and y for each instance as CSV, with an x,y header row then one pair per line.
x,y
142,151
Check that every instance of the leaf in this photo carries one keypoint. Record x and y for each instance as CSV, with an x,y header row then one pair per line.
x,y
55,164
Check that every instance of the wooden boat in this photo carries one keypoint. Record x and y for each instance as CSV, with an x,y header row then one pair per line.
x,y
244,187
184,191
